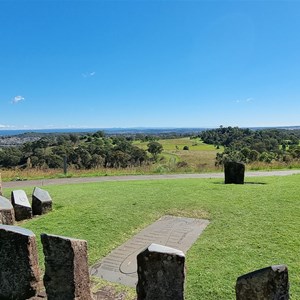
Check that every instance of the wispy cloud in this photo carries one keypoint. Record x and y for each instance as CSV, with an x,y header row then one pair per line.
x,y
6,126
247,100
17,99
89,74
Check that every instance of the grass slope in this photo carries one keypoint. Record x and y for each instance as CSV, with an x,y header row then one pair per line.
x,y
252,225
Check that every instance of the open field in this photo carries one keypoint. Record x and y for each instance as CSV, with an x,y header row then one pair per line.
x,y
252,225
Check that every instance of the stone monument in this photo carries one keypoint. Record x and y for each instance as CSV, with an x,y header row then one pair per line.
x,y
7,214
161,273
41,201
21,205
270,283
19,271
234,172
66,268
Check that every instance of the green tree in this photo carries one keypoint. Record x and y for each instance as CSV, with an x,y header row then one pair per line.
x,y
155,148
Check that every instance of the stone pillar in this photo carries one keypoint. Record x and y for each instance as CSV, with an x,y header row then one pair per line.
x,y
161,273
270,283
7,214
234,172
19,271
41,202
21,205
66,268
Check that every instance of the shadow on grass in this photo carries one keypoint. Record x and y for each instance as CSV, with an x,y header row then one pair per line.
x,y
248,182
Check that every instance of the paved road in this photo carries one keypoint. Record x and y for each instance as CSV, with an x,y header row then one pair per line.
x,y
44,182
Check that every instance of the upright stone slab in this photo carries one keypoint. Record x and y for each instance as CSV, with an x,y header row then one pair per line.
x,y
234,172
21,205
161,273
270,283
66,268
41,202
7,214
19,271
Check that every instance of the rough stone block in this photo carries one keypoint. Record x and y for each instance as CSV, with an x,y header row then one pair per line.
x,y
21,205
19,271
161,273
234,172
41,202
270,283
7,214
66,268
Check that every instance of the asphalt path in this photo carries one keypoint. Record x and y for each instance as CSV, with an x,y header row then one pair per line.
x,y
61,181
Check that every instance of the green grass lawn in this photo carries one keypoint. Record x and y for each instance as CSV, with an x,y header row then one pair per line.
x,y
252,226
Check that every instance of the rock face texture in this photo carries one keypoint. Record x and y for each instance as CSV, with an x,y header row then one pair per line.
x,y
270,283
41,202
161,273
21,205
19,271
7,213
66,268
234,172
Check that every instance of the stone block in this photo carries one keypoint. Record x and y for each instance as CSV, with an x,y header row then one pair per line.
x,y
161,273
66,268
41,202
234,172
21,205
7,214
270,283
19,271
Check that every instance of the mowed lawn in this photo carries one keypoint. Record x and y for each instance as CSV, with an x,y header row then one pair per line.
x,y
252,226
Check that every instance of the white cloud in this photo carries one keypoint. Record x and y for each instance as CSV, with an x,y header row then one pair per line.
x,y
247,100
89,74
6,126
17,99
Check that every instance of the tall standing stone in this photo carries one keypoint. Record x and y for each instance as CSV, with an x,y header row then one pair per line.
x,y
21,205
234,172
7,214
19,271
161,273
270,283
66,268
41,201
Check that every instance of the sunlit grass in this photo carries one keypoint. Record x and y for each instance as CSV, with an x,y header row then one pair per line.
x,y
252,225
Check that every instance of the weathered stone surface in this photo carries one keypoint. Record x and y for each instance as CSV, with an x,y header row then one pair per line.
x,y
234,172
41,201
161,273
270,283
21,205
66,268
19,272
7,214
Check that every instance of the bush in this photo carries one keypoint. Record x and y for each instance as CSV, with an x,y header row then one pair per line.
x,y
186,148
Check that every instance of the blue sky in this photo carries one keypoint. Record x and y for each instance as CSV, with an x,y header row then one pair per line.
x,y
102,64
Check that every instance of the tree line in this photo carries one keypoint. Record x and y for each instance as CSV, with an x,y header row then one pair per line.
x,y
248,145
80,151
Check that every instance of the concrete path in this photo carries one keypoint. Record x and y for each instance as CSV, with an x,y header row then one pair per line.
x,y
176,232
59,181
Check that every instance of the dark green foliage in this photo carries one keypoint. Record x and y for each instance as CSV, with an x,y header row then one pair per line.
x,y
253,145
186,148
93,151
155,148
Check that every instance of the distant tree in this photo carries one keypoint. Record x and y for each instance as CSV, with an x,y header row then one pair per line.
x,y
155,148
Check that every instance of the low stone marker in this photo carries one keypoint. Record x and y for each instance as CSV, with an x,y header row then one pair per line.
x,y
66,268
161,273
234,172
270,283
7,214
19,272
41,201
21,205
